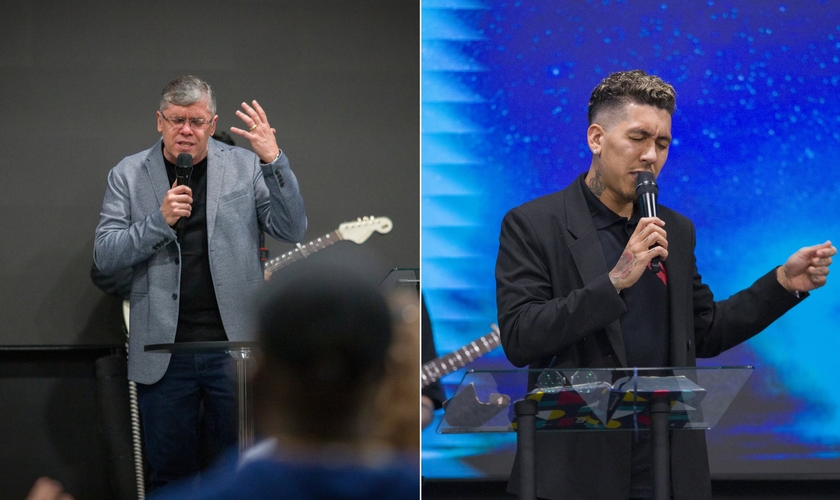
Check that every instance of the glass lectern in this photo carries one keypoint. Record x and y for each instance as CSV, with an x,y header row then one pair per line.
x,y
241,352
654,400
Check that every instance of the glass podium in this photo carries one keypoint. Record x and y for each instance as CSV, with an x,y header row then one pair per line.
x,y
241,352
655,400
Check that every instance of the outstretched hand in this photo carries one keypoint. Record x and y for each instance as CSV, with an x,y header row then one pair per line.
x,y
259,133
807,269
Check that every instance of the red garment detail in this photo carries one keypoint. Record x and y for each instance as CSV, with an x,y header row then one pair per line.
x,y
662,275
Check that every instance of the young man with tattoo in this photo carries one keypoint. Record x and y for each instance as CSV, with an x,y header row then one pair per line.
x,y
574,289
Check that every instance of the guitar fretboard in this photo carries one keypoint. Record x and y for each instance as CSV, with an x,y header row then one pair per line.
x,y
302,251
437,368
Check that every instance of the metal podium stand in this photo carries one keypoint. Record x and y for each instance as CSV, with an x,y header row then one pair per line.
x,y
241,352
655,400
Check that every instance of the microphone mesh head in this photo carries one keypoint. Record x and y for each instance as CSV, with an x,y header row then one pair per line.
x,y
185,160
646,184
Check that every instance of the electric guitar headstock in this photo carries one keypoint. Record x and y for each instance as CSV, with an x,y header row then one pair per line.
x,y
360,230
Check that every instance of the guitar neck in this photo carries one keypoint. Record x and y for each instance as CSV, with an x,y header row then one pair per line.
x,y
437,368
302,251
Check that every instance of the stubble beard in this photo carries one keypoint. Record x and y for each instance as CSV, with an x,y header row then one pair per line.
x,y
598,187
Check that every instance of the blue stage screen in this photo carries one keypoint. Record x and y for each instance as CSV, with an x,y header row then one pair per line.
x,y
754,163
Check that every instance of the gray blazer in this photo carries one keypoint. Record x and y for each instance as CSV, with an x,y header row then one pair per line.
x,y
243,197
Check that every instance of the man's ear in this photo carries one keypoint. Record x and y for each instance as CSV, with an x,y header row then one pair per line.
x,y
212,128
594,134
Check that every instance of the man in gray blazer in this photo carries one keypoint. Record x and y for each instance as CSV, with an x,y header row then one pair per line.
x,y
193,282
575,288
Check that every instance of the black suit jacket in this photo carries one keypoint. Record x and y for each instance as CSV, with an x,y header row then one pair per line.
x,y
557,306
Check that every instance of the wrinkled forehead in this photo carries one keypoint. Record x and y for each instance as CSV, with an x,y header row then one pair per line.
x,y
194,110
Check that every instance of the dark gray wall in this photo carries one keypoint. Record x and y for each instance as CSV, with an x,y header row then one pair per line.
x,y
79,87
50,421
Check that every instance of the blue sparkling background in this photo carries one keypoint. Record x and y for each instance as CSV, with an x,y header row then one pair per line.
x,y
754,164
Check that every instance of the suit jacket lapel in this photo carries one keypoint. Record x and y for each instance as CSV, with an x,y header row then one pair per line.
x,y
588,255
157,172
215,174
679,270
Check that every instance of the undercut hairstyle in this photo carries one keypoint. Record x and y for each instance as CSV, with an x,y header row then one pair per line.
x,y
186,91
631,87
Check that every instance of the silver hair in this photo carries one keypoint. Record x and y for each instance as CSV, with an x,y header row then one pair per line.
x,y
186,91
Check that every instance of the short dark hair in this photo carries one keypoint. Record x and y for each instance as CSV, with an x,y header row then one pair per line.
x,y
325,313
636,86
328,329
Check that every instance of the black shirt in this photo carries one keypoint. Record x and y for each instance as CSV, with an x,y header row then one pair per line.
x,y
645,326
198,315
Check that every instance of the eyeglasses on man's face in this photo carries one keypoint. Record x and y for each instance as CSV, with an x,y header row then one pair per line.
x,y
179,121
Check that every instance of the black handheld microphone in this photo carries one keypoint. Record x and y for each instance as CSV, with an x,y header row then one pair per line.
x,y
647,190
183,171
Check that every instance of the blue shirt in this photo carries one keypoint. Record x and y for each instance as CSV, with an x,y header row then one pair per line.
x,y
288,479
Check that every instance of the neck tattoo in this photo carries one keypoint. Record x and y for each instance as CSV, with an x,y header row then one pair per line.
x,y
596,185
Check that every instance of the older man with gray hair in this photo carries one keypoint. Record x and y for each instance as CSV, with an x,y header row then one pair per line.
x,y
191,280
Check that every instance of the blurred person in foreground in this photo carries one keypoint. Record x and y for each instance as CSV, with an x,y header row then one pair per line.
x,y
325,334
396,403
